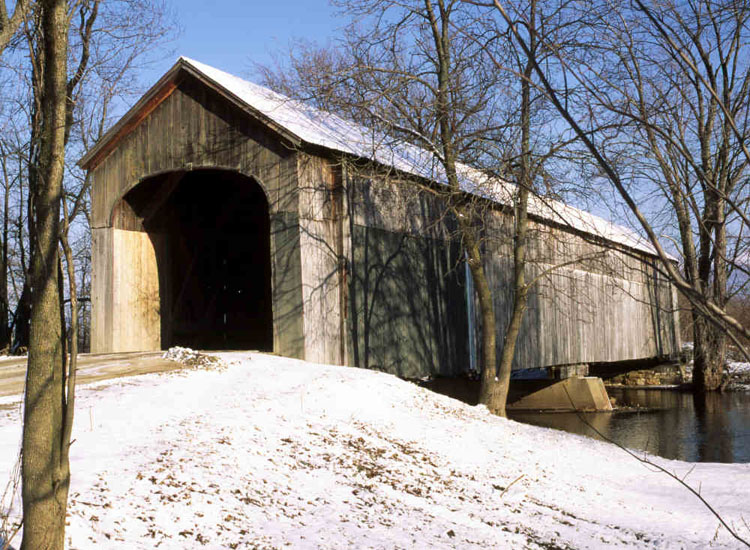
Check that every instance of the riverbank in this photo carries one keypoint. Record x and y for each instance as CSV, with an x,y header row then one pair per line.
x,y
269,452
737,376
679,375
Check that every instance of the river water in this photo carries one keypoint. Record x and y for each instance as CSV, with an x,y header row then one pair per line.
x,y
667,423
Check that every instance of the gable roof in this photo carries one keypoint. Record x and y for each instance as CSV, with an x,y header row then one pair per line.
x,y
303,124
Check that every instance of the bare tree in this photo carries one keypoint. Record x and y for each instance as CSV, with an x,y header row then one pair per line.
x,y
665,94
427,80
496,391
318,75
47,416
103,41
109,41
9,25
429,73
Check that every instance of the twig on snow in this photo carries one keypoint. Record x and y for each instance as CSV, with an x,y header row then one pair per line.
x,y
646,461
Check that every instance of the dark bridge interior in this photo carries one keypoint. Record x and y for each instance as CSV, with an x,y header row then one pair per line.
x,y
215,260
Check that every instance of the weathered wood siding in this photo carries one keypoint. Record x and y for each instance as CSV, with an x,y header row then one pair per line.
x,y
132,289
136,291
321,252
407,291
102,303
192,128
409,301
608,306
366,270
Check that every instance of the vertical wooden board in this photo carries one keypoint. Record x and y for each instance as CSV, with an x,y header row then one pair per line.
x,y
111,183
101,289
233,147
286,283
167,114
209,124
136,305
188,126
157,139
180,136
346,253
583,319
147,162
98,197
320,293
202,156
187,115
410,317
320,262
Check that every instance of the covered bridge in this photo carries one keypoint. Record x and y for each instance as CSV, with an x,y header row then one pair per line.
x,y
225,216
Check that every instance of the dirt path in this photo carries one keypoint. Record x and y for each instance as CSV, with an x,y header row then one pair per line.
x,y
91,368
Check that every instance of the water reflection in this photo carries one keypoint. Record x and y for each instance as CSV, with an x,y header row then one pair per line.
x,y
677,425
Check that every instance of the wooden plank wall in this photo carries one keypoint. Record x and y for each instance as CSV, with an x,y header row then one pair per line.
x,y
136,327
609,306
406,283
101,290
407,304
604,308
401,301
192,128
321,249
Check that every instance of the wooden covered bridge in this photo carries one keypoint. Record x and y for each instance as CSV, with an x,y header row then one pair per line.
x,y
225,216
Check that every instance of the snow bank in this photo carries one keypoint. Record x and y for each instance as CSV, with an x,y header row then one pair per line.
x,y
736,373
738,376
278,453
735,367
194,359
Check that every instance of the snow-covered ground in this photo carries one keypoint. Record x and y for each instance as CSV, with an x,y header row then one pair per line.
x,y
737,367
738,375
278,453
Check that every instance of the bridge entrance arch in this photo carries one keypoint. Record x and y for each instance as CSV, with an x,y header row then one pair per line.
x,y
210,234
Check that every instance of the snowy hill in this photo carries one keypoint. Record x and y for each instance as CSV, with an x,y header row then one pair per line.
x,y
276,453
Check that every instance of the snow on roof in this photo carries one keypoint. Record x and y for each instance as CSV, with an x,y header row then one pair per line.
x,y
317,127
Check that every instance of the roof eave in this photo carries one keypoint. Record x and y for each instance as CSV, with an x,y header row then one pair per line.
x,y
100,146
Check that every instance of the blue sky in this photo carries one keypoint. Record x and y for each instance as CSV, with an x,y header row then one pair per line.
x,y
228,34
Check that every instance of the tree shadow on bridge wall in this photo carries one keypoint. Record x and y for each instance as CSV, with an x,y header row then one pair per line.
x,y
408,301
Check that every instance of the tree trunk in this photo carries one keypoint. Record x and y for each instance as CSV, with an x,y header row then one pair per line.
x,y
520,289
442,35
709,352
45,469
21,319
4,309
488,387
